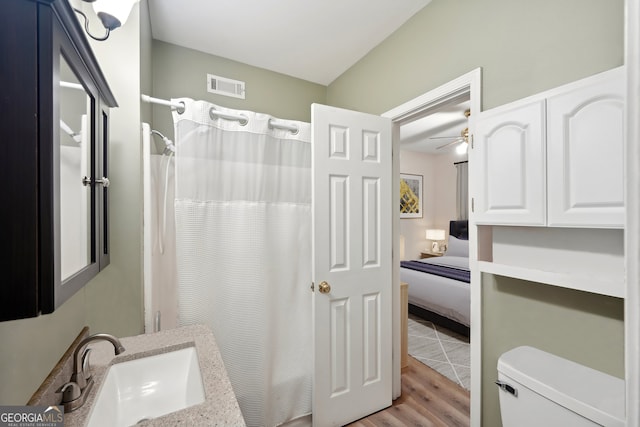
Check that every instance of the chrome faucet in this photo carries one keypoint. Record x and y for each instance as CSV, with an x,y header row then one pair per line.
x,y
75,392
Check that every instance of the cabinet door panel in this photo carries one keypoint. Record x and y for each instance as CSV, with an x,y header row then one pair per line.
x,y
510,147
586,147
19,130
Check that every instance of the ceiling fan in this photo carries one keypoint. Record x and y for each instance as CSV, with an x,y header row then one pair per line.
x,y
463,138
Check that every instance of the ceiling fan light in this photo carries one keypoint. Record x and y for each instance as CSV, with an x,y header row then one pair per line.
x,y
462,148
113,13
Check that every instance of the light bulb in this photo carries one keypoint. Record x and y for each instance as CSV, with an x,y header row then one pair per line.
x,y
113,13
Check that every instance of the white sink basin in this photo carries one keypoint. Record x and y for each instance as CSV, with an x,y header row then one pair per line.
x,y
148,388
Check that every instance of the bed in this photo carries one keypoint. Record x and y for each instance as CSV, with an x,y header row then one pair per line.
x,y
439,287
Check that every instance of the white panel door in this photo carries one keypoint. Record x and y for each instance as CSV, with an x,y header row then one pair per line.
x,y
585,145
352,210
509,143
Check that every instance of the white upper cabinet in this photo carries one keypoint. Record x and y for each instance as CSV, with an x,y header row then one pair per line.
x,y
585,134
555,158
510,147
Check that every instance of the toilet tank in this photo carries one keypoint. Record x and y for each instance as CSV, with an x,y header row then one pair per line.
x,y
540,389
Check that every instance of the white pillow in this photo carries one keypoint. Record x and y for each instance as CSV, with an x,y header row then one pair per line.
x,y
457,247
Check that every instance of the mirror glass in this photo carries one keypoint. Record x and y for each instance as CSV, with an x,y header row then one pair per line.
x,y
75,164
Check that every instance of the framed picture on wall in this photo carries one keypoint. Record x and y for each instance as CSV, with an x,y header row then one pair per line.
x,y
410,196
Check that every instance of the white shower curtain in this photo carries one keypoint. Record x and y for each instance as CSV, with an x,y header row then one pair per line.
x,y
243,242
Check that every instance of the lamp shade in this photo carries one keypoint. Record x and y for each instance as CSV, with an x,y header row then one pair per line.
x,y
113,13
434,234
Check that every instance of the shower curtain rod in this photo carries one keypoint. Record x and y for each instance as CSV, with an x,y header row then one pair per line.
x,y
213,113
179,106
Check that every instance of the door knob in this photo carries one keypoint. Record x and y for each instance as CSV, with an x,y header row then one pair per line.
x,y
324,288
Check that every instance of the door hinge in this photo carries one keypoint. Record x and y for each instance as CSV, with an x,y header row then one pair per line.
x,y
313,287
472,204
471,136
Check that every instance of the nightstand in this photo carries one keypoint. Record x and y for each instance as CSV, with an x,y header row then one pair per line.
x,y
429,254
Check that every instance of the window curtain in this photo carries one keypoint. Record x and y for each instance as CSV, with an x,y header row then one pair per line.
x,y
462,190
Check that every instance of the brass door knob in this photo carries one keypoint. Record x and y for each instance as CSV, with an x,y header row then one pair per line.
x,y
324,288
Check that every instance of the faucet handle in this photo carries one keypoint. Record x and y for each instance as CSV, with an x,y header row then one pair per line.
x,y
70,392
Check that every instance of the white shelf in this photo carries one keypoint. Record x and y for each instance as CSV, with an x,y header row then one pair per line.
x,y
605,286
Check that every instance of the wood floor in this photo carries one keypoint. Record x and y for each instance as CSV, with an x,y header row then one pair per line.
x,y
428,399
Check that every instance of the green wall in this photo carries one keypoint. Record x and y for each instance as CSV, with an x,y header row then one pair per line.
x,y
180,72
579,326
114,297
523,47
30,348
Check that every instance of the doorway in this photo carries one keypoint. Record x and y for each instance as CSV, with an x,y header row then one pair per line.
x,y
465,87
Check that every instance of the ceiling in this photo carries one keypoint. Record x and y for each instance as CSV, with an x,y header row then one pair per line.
x,y
312,40
435,130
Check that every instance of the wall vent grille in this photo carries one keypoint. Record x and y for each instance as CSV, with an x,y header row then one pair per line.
x,y
225,86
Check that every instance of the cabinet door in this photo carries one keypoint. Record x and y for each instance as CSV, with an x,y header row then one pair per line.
x,y
19,160
585,143
510,150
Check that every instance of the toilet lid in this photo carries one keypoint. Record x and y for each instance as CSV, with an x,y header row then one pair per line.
x,y
592,394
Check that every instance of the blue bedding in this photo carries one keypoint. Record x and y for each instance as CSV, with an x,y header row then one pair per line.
x,y
438,270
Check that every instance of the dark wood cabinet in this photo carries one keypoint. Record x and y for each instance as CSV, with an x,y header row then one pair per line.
x,y
54,122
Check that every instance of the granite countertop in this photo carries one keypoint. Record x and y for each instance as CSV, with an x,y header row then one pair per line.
x,y
220,407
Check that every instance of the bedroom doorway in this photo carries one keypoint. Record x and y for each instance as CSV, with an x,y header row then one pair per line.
x,y
434,149
464,89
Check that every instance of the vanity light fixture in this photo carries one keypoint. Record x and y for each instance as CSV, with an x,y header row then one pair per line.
x,y
112,13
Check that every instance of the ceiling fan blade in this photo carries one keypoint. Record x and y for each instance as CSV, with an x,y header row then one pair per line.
x,y
450,143
443,137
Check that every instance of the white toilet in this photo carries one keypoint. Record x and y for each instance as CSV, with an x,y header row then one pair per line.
x,y
541,389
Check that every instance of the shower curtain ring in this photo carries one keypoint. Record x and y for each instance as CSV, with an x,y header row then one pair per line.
x,y
214,114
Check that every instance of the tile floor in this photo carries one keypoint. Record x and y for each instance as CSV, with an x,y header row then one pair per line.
x,y
443,350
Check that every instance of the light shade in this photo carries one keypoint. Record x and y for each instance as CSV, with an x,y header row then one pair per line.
x,y
113,13
434,234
